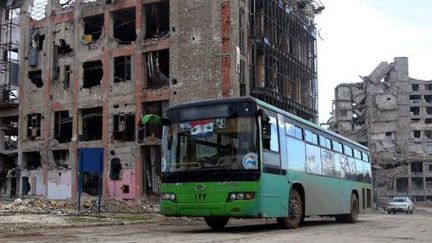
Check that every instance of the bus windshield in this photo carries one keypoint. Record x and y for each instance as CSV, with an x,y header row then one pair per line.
x,y
215,144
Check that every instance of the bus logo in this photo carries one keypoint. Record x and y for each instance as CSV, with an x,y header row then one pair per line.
x,y
200,188
200,195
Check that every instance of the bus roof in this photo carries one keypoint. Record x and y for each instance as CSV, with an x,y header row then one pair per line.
x,y
264,104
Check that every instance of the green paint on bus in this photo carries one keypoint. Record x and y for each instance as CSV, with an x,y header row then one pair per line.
x,y
243,158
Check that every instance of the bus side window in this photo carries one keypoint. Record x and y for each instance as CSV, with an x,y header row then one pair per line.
x,y
296,154
274,135
271,155
313,159
337,147
328,163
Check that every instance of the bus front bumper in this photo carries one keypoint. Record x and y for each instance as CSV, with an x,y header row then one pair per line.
x,y
238,209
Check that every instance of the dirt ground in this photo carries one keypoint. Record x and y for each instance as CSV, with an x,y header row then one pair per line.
x,y
155,228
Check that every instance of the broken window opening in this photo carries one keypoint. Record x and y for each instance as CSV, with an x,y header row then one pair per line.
x,y
417,183
64,48
417,167
90,183
429,182
152,169
61,158
124,127
25,185
417,134
93,73
428,98
415,87
428,86
401,184
91,124
34,126
429,110
122,69
389,134
66,76
157,20
242,78
242,29
125,189
415,111
415,98
415,120
93,28
62,126
36,78
157,69
9,125
428,134
124,25
428,121
115,170
40,42
32,160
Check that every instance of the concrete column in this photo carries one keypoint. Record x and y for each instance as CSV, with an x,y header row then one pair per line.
x,y
24,19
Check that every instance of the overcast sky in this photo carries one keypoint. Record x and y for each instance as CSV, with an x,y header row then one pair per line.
x,y
358,34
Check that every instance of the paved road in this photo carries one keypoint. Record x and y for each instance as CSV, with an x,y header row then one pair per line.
x,y
371,228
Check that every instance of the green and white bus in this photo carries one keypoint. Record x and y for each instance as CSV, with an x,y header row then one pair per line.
x,y
243,158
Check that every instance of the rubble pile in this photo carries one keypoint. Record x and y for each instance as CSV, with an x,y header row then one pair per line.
x,y
121,206
64,207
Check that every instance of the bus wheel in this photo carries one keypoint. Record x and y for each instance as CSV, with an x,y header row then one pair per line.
x,y
217,223
353,216
295,213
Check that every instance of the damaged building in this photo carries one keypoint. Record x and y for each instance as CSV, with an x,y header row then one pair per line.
x,y
9,68
390,113
92,69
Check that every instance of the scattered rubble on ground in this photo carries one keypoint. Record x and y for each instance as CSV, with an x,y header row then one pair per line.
x,y
64,207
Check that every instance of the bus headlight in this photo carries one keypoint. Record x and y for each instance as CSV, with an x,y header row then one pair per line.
x,y
168,196
241,196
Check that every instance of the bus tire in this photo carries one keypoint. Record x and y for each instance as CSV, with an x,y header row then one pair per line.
x,y
295,213
353,216
354,211
216,223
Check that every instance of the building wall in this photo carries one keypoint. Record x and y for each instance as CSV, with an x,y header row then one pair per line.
x,y
389,112
184,50
115,99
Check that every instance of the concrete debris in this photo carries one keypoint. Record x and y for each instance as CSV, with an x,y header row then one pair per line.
x,y
379,73
64,207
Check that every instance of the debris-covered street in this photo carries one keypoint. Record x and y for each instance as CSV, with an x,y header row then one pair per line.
x,y
370,228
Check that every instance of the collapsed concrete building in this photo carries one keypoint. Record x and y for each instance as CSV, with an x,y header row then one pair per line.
x,y
90,69
9,43
390,113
